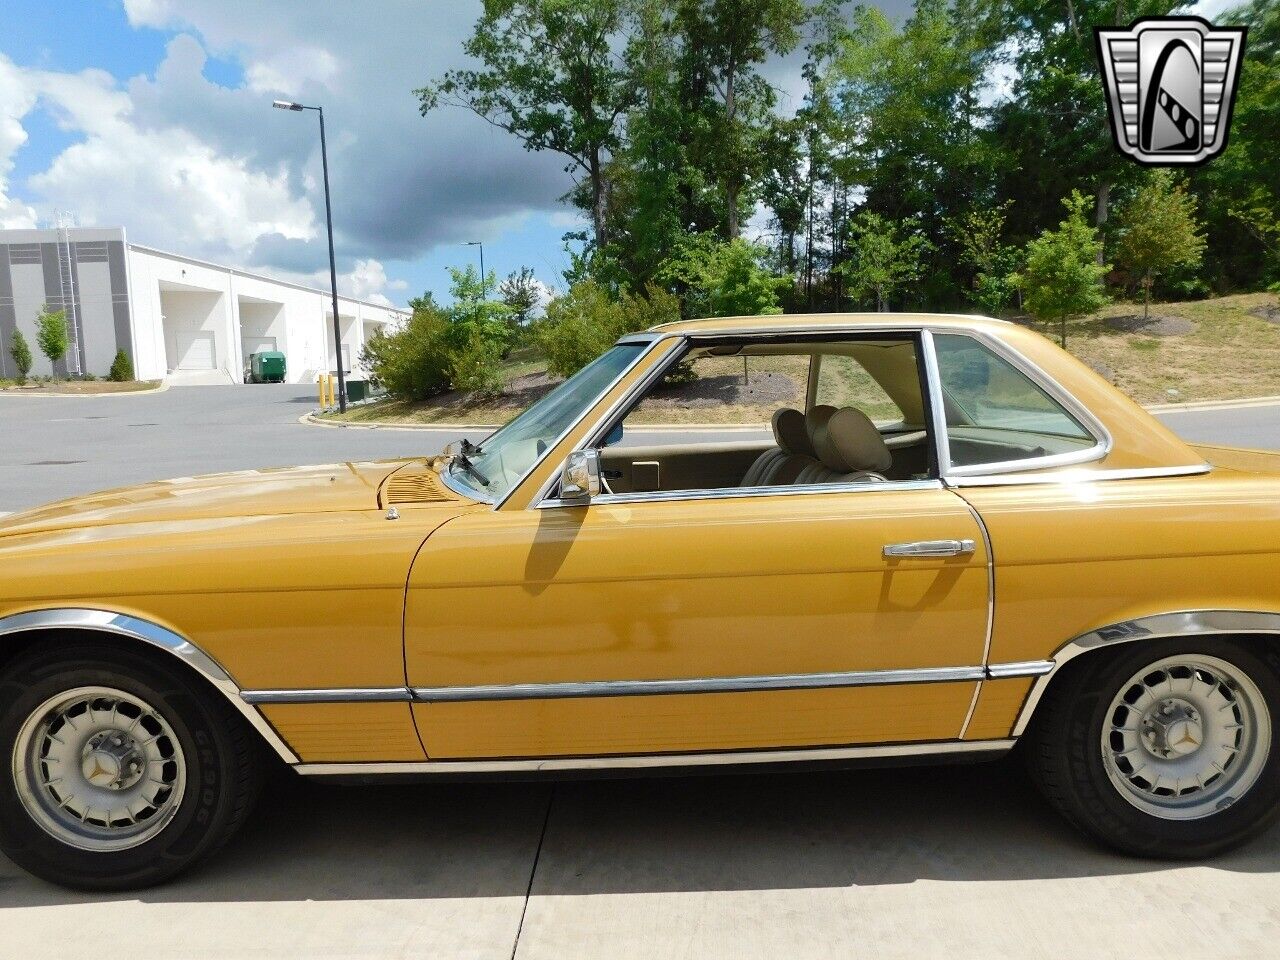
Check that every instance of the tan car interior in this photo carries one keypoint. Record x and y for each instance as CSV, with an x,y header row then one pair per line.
x,y
823,444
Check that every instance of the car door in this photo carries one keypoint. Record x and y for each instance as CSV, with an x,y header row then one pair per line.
x,y
699,624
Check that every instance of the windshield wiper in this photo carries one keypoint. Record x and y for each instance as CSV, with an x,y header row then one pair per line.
x,y
464,448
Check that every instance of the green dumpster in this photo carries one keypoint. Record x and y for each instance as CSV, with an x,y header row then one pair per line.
x,y
267,367
357,390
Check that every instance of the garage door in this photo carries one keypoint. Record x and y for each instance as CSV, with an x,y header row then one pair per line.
x,y
254,345
199,354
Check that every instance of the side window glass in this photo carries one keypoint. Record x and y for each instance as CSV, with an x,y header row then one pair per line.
x,y
844,382
995,413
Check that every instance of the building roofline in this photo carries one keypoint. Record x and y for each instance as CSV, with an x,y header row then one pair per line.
x,y
236,271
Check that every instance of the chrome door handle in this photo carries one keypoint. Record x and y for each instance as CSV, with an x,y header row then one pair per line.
x,y
931,548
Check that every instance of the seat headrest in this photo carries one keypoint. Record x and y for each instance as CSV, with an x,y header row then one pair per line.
x,y
850,442
790,432
815,420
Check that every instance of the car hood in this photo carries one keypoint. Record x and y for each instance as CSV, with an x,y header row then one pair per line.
x,y
247,493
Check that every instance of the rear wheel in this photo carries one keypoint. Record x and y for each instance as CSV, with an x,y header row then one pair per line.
x,y
117,773
1170,752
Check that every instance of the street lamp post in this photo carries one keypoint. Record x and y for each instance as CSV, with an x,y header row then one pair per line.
x,y
484,279
333,269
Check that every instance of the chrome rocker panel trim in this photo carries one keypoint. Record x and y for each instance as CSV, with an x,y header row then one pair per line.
x,y
156,636
1184,623
329,695
660,760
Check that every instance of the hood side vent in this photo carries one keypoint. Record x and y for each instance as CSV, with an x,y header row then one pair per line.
x,y
415,488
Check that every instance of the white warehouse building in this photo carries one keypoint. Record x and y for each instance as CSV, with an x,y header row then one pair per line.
x,y
178,319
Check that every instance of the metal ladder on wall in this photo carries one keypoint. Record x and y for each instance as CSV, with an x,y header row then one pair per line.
x,y
67,283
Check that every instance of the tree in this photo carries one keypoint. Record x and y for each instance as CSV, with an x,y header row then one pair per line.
x,y
886,256
722,279
549,76
412,363
51,334
1063,277
977,234
521,294
21,353
121,368
478,332
1159,231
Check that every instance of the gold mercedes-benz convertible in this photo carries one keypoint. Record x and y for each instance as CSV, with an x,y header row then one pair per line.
x,y
957,540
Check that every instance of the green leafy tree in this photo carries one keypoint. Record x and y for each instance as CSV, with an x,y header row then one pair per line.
x,y
51,334
550,76
1159,231
21,353
121,368
722,279
1063,277
886,256
479,331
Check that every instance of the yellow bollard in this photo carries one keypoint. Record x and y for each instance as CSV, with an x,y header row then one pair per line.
x,y
333,393
320,382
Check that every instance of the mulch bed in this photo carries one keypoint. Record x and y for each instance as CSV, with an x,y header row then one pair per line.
x,y
1155,325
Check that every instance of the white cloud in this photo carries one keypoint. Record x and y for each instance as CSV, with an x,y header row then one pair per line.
x,y
367,280
16,101
289,69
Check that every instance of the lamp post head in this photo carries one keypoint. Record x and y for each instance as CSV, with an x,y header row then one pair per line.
x,y
287,105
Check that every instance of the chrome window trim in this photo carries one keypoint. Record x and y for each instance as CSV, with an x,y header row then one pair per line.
x,y
590,435
329,695
106,621
738,493
1183,623
937,403
658,760
1103,441
446,477
648,688
586,411
1082,476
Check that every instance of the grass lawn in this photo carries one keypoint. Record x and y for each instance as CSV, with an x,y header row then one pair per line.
x,y
78,386
1221,349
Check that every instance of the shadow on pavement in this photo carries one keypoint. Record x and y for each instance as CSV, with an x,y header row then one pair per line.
x,y
318,842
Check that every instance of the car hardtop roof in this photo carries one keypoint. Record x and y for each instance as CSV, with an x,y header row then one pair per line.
x,y
782,323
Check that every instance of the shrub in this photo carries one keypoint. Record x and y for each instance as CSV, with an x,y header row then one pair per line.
x,y
21,354
121,368
578,327
412,363
475,364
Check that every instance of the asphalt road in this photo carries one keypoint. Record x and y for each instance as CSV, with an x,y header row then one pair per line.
x,y
961,862
55,447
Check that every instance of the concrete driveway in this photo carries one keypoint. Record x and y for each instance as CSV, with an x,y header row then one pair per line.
x,y
955,862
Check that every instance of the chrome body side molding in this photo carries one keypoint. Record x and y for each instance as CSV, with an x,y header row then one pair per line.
x,y
643,688
1184,623
944,748
330,695
105,621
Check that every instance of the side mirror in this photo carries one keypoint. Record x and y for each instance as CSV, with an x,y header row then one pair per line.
x,y
580,476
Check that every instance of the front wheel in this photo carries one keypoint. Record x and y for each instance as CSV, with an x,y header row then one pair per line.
x,y
1168,752
118,772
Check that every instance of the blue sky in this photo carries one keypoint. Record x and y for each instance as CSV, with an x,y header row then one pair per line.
x,y
170,70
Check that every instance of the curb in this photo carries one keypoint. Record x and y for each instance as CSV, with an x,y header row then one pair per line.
x,y
1213,405
164,385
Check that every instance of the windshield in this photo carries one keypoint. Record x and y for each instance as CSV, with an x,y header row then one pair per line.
x,y
509,453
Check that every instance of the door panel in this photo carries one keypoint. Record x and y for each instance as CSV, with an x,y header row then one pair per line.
x,y
738,587
697,466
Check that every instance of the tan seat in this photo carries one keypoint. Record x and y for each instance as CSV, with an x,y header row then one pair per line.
x,y
849,449
783,463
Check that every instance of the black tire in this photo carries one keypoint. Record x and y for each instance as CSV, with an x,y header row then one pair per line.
x,y
1065,759
223,769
